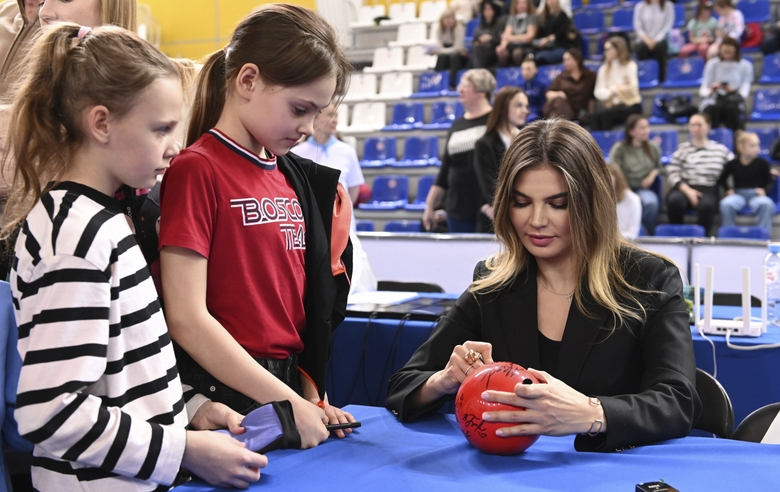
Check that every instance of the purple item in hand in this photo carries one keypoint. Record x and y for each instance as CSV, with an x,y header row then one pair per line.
x,y
269,427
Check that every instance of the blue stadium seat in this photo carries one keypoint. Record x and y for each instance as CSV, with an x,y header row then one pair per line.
x,y
754,10
589,21
403,226
378,152
365,225
679,230
668,141
547,73
406,116
607,139
766,137
420,152
766,105
389,192
770,70
443,113
684,72
648,74
576,5
744,232
657,115
423,187
509,76
622,20
471,26
601,4
724,136
679,16
432,84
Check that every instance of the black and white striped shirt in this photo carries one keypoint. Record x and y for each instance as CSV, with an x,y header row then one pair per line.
x,y
99,393
697,166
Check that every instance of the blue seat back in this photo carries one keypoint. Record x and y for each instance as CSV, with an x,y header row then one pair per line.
x,y
421,148
402,226
589,21
423,187
770,70
471,26
684,72
548,73
622,20
667,140
446,111
379,148
601,4
679,15
607,139
365,225
680,230
648,74
509,76
755,10
433,82
408,114
744,232
766,137
390,188
766,101
724,136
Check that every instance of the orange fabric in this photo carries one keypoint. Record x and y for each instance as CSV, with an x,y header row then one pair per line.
x,y
339,235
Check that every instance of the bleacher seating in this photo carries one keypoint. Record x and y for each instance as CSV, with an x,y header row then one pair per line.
x,y
766,105
396,85
724,136
362,87
648,74
755,10
430,11
679,16
667,140
684,72
508,76
766,136
417,58
420,152
367,14
406,116
443,113
403,226
622,20
367,117
548,73
770,69
365,225
471,26
389,192
411,34
386,60
607,139
589,21
601,4
679,230
657,114
400,13
743,232
378,152
433,84
423,187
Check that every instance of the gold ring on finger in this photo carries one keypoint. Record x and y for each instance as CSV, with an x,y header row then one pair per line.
x,y
472,356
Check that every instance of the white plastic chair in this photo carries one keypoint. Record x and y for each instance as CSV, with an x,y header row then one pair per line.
x,y
386,60
367,14
362,87
430,11
367,117
343,114
411,34
396,85
417,59
400,13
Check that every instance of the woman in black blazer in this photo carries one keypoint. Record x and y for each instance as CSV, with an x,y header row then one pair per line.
x,y
510,109
602,323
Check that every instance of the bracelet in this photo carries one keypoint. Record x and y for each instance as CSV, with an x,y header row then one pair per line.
x,y
593,431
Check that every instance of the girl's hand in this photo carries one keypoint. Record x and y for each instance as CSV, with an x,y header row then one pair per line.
x,y
310,420
448,380
213,415
552,408
338,416
221,460
760,192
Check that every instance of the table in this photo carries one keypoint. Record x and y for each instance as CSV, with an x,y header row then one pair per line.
x,y
367,352
431,454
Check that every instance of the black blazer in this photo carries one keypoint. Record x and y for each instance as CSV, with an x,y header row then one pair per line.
x,y
643,373
488,152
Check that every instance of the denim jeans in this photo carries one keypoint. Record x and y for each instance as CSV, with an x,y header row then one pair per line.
x,y
650,207
762,206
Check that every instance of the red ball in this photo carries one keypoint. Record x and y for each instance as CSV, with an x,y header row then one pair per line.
x,y
469,406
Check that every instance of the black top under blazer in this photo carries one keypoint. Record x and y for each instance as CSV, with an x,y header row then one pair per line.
x,y
643,373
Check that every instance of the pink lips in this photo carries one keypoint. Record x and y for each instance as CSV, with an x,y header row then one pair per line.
x,y
541,241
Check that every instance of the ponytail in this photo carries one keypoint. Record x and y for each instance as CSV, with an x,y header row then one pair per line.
x,y
210,96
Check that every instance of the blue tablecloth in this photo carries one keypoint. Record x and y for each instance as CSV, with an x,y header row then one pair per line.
x,y
429,455
366,353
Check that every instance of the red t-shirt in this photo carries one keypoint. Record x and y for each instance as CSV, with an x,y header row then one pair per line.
x,y
240,212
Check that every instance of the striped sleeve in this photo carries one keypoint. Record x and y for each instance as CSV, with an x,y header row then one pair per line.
x,y
64,334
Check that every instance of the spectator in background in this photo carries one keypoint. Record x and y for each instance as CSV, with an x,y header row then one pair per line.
x,y
532,86
552,38
570,95
752,181
701,31
487,35
639,160
771,42
510,110
456,176
450,50
465,10
653,19
731,24
565,6
725,86
694,172
519,33
629,205
617,86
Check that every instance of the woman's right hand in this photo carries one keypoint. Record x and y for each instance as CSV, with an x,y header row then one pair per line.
x,y
448,380
221,460
692,194
310,420
429,219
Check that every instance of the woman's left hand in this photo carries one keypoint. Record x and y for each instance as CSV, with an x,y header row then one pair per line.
x,y
338,416
552,408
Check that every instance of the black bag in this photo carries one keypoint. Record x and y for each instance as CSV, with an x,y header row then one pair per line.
x,y
673,107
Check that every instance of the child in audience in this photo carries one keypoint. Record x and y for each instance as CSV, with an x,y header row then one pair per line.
x,y
731,24
747,180
629,205
701,31
532,86
99,394
254,242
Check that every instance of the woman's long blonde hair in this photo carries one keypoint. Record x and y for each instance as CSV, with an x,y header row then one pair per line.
x,y
596,240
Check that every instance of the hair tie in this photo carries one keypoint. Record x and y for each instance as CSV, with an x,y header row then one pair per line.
x,y
83,30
